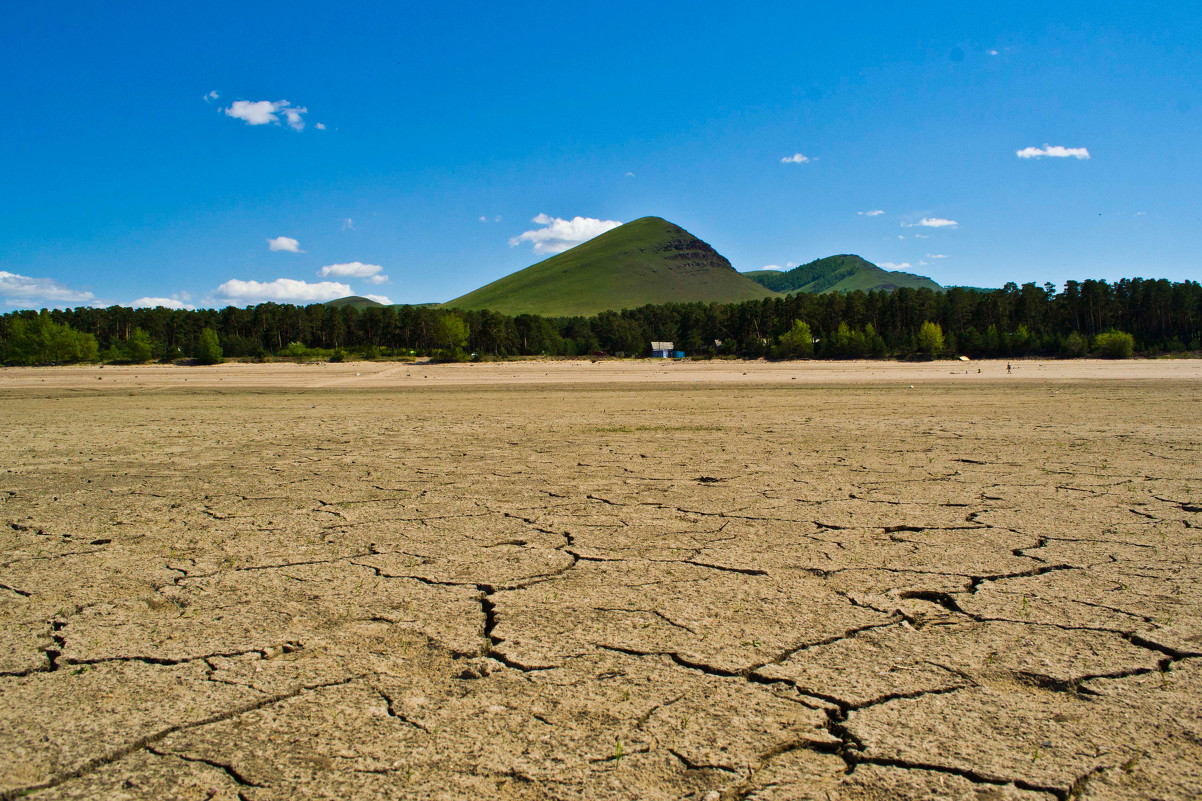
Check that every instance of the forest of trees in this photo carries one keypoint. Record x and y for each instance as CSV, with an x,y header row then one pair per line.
x,y
1089,317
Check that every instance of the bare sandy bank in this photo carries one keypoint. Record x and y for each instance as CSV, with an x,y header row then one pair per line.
x,y
604,371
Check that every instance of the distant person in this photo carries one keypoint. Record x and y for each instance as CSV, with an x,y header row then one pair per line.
x,y
1007,368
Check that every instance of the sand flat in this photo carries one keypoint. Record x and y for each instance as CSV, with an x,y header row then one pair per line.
x,y
618,579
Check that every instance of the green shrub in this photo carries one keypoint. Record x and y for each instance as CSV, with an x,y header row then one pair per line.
x,y
797,343
1115,344
929,340
1074,345
208,348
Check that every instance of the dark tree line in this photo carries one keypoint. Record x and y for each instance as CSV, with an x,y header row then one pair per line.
x,y
1159,315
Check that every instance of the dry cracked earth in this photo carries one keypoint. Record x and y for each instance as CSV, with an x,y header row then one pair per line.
x,y
536,592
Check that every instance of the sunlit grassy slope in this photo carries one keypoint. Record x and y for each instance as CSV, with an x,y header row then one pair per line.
x,y
649,260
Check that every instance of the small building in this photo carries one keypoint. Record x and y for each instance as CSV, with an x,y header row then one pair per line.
x,y
663,350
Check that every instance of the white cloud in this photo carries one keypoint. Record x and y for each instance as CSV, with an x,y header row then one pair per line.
x,y
796,158
1053,151
379,299
154,303
284,243
355,269
372,273
558,235
772,267
22,290
348,224
211,96
873,213
263,112
932,222
321,126
936,256
629,175
921,236
282,290
483,218
992,52
888,265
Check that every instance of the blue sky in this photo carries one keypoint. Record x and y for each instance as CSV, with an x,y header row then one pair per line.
x,y
209,154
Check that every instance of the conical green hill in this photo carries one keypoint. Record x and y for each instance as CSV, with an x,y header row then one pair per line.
x,y
649,260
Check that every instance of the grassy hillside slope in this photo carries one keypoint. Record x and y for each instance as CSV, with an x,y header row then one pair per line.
x,y
357,301
648,260
844,273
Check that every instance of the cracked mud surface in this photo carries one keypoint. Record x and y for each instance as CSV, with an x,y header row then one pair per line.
x,y
630,590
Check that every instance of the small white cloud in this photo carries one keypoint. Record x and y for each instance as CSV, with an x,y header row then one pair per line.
x,y
873,213
22,290
483,218
772,267
992,52
497,218
888,265
921,236
264,112
348,224
282,290
284,244
796,158
211,96
936,256
379,299
321,126
1141,214
558,235
932,222
372,273
1054,152
166,303
629,175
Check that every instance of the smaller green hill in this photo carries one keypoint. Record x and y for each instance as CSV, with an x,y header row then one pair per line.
x,y
845,273
357,301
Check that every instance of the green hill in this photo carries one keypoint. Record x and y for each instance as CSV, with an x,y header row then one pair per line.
x,y
353,300
649,260
839,274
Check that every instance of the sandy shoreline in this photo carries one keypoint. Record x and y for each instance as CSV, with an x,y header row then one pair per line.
x,y
376,375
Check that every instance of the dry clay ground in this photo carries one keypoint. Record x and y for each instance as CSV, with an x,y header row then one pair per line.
x,y
637,590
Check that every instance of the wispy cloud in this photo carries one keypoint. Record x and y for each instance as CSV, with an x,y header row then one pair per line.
x,y
372,273
888,265
211,96
558,235
932,222
265,112
285,244
26,291
348,224
796,158
379,299
873,213
992,52
281,290
166,303
1053,152
321,126
936,256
